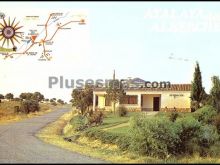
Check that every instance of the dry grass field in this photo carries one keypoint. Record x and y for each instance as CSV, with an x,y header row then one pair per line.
x,y
7,114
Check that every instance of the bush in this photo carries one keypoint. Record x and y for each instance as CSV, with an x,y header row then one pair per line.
x,y
216,122
189,131
194,106
205,114
161,137
16,99
173,116
54,103
122,142
122,111
78,122
96,118
196,137
214,150
28,106
105,137
153,136
208,136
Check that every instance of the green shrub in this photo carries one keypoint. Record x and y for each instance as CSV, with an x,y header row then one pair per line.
x,y
216,122
105,137
161,137
96,118
205,114
214,150
122,142
122,111
153,136
207,136
78,122
173,116
189,130
195,137
28,106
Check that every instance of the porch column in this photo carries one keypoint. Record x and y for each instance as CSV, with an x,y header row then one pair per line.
x,y
94,101
139,100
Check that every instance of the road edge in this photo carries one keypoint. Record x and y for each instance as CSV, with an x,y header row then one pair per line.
x,y
52,134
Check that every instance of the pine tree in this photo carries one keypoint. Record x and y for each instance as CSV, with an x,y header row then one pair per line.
x,y
197,91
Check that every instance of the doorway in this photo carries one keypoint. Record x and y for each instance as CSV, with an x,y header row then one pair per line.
x,y
156,104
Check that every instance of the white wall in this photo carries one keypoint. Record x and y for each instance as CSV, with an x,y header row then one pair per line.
x,y
178,102
148,100
165,99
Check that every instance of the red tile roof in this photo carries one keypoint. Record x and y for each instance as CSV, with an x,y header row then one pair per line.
x,y
180,87
174,87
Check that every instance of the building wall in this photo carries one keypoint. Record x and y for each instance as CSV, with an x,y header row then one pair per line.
x,y
181,102
167,100
148,101
101,101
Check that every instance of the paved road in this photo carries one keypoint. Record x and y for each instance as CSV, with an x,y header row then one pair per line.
x,y
18,143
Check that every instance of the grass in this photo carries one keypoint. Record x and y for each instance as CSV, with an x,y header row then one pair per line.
x,y
117,125
7,114
120,129
56,131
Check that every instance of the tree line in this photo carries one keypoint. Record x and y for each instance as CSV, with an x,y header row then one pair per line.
x,y
37,96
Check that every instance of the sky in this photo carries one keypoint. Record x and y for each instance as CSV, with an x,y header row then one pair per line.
x,y
155,41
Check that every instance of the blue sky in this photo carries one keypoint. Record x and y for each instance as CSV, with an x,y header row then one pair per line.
x,y
122,38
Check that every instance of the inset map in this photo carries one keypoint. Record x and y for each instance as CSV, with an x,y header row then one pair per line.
x,y
32,36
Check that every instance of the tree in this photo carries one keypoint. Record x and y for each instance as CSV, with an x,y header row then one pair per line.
x,y
32,96
60,101
197,91
9,96
82,98
37,96
115,92
46,100
16,99
71,101
215,92
89,95
26,96
1,97
28,106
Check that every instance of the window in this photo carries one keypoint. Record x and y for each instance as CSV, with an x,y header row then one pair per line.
x,y
129,99
107,101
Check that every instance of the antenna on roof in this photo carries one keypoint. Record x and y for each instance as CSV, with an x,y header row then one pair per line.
x,y
172,57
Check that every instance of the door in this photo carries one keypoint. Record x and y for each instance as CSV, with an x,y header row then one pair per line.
x,y
156,105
